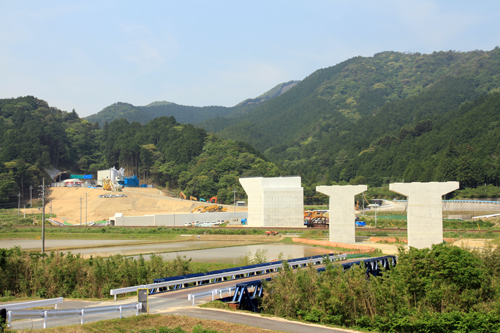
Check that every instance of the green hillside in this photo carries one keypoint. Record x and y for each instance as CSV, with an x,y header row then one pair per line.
x,y
120,111
376,120
380,119
182,113
357,88
34,136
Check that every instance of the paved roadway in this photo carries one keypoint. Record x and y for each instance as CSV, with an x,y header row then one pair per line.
x,y
177,303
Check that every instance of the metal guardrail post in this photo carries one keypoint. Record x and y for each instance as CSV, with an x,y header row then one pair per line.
x,y
120,307
44,319
9,318
83,313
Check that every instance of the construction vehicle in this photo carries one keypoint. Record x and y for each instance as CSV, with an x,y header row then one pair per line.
x,y
316,218
193,198
209,209
106,184
213,200
202,200
271,233
183,196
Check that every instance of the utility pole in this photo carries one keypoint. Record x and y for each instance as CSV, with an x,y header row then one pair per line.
x,y
43,216
31,197
18,203
80,211
85,208
234,192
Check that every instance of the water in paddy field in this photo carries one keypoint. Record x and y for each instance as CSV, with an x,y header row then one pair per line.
x,y
233,255
200,251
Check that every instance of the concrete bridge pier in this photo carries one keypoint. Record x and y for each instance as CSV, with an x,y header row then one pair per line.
x,y
342,211
425,210
274,201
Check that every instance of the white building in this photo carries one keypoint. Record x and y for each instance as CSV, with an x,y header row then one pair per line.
x,y
109,174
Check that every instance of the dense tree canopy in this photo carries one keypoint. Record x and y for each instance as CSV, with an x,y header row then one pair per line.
x,y
34,136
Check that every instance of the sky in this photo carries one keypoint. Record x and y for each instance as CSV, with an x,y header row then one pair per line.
x,y
86,55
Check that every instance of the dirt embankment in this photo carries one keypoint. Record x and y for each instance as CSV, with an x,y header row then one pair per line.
x,y
68,201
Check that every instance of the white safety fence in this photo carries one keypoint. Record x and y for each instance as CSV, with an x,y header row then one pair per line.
x,y
32,304
211,293
46,314
222,276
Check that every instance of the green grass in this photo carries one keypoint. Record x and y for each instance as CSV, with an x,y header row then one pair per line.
x,y
101,236
216,305
148,324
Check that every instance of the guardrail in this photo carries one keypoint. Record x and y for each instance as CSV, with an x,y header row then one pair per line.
x,y
212,277
228,290
32,304
206,293
45,314
211,293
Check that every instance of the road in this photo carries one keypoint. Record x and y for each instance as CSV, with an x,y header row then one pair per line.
x,y
176,303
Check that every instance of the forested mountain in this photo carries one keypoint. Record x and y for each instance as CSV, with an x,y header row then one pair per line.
x,y
34,136
383,118
183,114
391,117
354,89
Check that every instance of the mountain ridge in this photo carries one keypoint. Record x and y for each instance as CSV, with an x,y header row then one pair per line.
x,y
183,113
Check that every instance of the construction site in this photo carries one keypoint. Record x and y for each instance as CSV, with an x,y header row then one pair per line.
x,y
79,204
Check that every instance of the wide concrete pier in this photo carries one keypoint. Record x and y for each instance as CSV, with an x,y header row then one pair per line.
x,y
274,201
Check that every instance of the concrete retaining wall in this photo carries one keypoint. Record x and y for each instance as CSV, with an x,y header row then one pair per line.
x,y
175,220
468,206
135,221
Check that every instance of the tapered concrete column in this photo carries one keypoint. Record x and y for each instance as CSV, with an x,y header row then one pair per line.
x,y
274,201
425,210
342,212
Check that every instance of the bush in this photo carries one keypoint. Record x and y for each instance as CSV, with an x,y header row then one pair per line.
x,y
68,275
442,289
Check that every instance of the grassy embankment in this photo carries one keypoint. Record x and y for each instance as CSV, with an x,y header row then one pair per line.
x,y
151,324
397,220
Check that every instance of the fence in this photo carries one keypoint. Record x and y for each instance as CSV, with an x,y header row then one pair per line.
x,y
45,314
33,304
211,293
215,276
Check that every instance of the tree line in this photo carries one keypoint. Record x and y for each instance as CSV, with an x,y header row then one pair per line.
x,y
34,136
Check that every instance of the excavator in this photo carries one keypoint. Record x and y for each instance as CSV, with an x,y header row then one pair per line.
x,y
213,200
183,196
316,219
193,198
209,209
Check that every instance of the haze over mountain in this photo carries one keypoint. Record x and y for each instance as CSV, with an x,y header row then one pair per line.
x,y
183,114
